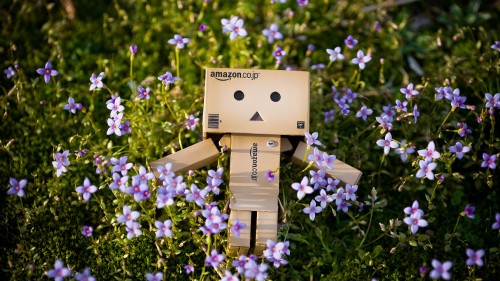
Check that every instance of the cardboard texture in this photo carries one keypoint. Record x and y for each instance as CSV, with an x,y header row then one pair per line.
x,y
251,157
191,158
240,245
267,229
256,101
254,114
341,170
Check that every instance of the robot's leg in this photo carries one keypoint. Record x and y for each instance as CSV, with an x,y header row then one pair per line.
x,y
240,245
266,229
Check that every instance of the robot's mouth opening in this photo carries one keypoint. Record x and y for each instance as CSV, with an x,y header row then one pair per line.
x,y
256,117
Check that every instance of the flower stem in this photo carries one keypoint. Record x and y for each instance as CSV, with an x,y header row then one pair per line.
x,y
455,228
177,64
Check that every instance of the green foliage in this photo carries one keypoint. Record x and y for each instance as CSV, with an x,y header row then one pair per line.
x,y
442,45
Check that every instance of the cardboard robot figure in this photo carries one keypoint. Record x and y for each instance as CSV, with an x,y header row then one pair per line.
x,y
256,115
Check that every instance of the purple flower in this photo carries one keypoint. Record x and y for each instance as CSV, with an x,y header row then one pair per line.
x,y
317,178
165,171
361,59
237,227
115,107
143,175
332,184
312,138
492,101
196,195
72,106
440,269
463,129
234,26
364,112
158,276
85,275
141,191
401,106
489,161
335,54
312,210
416,113
409,91
302,188
458,101
350,95
121,165
272,33
87,230
387,143
384,122
316,156
469,211
339,196
17,187
178,41
459,149
119,182
163,228
377,26
350,42
423,271
214,259
191,122
60,163
125,127
329,115
474,257
228,276
189,268
143,92
318,66
302,3
240,263
350,192
275,252
496,46
133,49
429,153
404,150
115,125
323,198
202,27
278,54
96,81
269,175
47,72
133,229
168,78
86,189
254,270
344,205
388,112
9,72
59,272
328,160
415,221
426,169
496,224
127,215
414,210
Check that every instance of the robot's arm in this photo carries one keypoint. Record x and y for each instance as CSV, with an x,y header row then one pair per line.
x,y
190,158
341,171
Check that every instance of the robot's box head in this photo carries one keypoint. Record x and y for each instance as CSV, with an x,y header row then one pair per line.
x,y
255,101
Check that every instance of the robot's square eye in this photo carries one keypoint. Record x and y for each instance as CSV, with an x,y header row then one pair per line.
x,y
275,96
239,95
